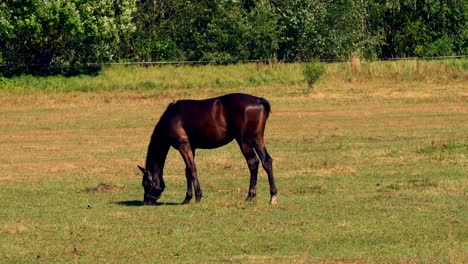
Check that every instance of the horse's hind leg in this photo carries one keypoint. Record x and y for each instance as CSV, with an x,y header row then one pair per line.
x,y
252,162
267,163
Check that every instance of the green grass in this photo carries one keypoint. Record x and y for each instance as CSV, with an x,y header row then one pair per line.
x,y
369,170
160,79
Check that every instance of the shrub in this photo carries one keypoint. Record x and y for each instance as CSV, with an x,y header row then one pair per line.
x,y
313,71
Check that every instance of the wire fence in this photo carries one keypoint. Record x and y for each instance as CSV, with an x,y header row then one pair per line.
x,y
428,58
261,60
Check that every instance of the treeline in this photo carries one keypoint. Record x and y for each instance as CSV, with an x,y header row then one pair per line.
x,y
75,36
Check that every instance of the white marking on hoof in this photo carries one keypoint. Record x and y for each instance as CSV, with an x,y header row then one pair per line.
x,y
273,200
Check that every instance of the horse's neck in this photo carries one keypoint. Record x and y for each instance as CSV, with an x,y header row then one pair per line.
x,y
156,157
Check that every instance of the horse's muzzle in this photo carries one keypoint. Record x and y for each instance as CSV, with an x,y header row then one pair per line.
x,y
148,202
149,199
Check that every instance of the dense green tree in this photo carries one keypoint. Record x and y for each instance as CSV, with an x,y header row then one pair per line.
x,y
325,29
203,30
261,34
339,30
295,18
61,36
422,28
222,40
218,31
153,39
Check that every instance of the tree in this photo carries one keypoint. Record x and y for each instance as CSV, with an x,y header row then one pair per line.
x,y
261,32
153,40
60,36
423,28
294,17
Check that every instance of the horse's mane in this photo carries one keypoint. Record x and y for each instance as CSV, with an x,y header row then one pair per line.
x,y
163,117
171,104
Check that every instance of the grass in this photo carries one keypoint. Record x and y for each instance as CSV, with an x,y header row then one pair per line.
x,y
165,79
160,79
370,168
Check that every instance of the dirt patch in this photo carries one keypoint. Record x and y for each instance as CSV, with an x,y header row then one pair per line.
x,y
14,228
120,214
8,179
104,187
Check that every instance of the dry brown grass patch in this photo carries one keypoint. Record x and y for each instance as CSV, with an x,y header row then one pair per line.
x,y
104,187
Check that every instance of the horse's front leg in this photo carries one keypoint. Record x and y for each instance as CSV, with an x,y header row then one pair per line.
x,y
188,195
188,154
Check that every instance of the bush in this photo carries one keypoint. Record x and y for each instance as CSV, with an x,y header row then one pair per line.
x,y
313,71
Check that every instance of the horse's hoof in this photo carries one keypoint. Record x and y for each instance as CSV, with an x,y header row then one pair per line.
x,y
273,200
250,198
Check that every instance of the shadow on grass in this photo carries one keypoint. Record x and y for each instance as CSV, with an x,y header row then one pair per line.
x,y
140,203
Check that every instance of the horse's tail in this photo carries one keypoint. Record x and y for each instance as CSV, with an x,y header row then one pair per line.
x,y
266,106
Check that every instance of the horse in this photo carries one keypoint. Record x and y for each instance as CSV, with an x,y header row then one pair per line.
x,y
187,125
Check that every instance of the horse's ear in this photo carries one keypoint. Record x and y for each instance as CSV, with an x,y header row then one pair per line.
x,y
141,168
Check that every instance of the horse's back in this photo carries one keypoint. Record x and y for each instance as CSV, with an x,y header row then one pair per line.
x,y
213,122
217,108
202,122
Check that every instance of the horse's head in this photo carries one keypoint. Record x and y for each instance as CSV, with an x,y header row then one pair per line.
x,y
152,185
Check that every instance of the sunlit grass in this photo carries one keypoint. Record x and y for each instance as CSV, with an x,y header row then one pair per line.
x,y
169,77
369,170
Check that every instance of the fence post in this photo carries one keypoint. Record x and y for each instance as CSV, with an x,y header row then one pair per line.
x,y
356,63
418,66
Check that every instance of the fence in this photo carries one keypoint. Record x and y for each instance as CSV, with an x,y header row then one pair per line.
x,y
269,61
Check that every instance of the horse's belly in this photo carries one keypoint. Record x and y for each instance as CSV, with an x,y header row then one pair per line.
x,y
208,131
213,139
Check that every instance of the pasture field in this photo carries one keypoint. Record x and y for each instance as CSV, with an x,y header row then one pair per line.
x,y
371,168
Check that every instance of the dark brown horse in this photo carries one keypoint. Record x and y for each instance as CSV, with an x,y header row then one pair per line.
x,y
190,124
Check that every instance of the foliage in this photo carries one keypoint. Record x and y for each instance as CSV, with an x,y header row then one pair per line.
x,y
423,28
261,34
217,31
314,29
61,37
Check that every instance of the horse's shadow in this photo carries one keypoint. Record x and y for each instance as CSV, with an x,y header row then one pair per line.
x,y
140,203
